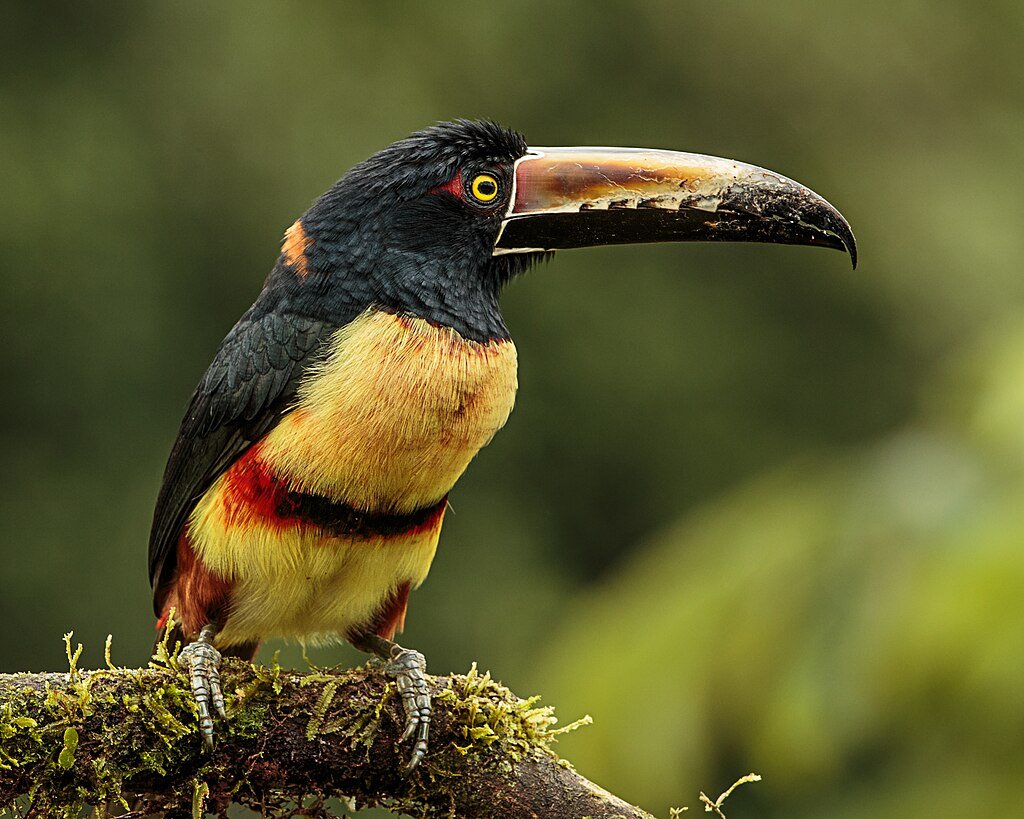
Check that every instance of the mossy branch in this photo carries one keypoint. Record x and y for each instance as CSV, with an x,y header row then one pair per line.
x,y
117,739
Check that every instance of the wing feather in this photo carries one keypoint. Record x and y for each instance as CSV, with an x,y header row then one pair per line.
x,y
247,388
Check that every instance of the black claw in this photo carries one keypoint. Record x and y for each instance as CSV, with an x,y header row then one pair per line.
x,y
418,752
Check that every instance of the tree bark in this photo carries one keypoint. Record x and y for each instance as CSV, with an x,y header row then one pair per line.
x,y
120,737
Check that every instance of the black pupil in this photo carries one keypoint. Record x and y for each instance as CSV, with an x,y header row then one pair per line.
x,y
487,187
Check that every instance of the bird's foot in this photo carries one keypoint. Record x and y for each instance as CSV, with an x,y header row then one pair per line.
x,y
201,662
409,668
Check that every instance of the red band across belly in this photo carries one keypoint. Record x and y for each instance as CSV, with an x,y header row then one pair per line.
x,y
251,493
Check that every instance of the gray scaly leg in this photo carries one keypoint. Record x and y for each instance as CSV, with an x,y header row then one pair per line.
x,y
202,663
409,670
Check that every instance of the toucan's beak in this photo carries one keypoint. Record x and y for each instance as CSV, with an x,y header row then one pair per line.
x,y
579,197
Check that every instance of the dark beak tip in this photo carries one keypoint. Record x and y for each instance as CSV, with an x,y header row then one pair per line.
x,y
835,224
849,244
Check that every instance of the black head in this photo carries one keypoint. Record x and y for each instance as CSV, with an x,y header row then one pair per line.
x,y
435,224
413,228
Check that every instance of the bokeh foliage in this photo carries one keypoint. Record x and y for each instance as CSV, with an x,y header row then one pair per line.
x,y
752,511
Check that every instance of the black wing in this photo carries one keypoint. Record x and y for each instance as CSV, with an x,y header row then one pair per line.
x,y
250,384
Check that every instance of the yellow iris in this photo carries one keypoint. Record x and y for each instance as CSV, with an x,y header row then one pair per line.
x,y
484,187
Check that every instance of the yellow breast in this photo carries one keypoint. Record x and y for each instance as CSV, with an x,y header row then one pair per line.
x,y
386,423
395,412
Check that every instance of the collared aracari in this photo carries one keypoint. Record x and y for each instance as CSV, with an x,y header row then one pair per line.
x,y
305,492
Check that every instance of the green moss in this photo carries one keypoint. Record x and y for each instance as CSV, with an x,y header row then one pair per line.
x,y
200,793
66,757
489,713
80,752
46,735
20,735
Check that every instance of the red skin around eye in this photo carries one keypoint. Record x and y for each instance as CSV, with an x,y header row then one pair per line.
x,y
452,186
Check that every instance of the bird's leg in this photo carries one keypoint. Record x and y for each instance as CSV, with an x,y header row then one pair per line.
x,y
409,669
202,663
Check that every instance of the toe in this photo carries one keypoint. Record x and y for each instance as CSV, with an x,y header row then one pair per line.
x,y
216,694
201,662
409,670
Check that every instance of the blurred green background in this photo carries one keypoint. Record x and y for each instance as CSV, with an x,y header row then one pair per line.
x,y
752,511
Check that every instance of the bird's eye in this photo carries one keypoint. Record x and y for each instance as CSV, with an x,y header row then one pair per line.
x,y
484,187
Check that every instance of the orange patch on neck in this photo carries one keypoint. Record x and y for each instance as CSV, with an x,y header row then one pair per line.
x,y
296,245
